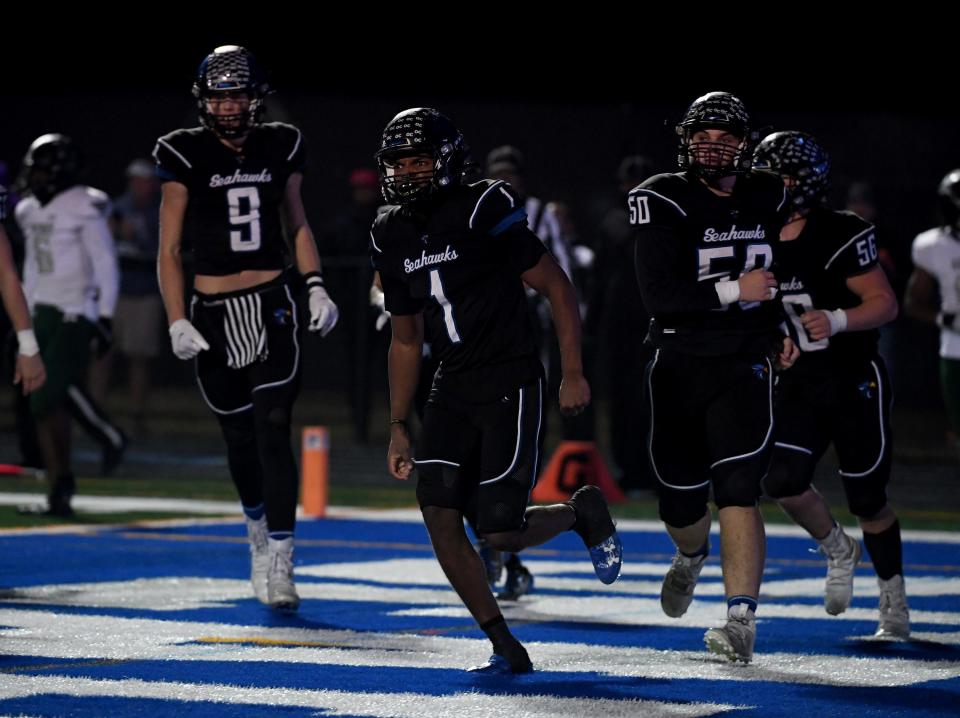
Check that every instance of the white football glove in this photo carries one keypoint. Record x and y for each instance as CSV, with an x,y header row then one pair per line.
x,y
323,312
187,342
377,301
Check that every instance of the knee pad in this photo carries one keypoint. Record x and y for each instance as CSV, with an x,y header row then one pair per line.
x,y
278,416
867,491
437,474
238,429
438,485
737,484
867,495
508,542
683,508
790,474
273,426
272,418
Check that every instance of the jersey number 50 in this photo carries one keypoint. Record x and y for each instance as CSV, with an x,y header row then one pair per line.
x,y
639,210
757,256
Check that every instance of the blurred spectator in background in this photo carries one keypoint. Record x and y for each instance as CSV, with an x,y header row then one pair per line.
x,y
861,200
138,322
552,223
618,319
345,242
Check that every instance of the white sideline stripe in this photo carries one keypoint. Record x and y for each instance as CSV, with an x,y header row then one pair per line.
x,y
412,515
48,635
180,593
334,703
115,504
637,577
112,504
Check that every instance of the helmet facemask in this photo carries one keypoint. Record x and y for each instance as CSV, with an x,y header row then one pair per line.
x,y
715,157
230,73
420,132
404,187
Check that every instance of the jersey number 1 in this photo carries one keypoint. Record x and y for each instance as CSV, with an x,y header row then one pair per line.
x,y
436,291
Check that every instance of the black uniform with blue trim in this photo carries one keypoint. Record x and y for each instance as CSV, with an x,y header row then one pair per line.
x,y
458,258
838,390
232,224
711,380
250,376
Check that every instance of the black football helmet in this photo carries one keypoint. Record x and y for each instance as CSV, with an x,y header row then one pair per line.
x,y
230,69
715,110
421,131
51,165
948,198
799,157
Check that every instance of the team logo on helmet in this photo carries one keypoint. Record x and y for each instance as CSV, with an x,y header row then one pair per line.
x,y
230,71
713,158
797,158
420,131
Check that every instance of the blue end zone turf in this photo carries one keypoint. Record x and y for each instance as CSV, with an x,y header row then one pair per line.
x,y
162,621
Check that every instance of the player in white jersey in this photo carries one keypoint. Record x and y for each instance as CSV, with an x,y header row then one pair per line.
x,y
936,259
71,284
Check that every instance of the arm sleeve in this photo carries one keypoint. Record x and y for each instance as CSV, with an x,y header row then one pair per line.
x,y
522,247
497,210
857,255
297,156
29,262
98,242
172,162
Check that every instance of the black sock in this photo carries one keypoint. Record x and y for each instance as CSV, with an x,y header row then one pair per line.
x,y
63,487
505,645
886,551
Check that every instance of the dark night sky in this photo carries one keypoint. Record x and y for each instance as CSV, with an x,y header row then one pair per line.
x,y
576,95
583,90
808,61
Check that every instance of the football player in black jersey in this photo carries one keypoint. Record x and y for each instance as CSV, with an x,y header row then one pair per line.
x,y
704,251
231,192
836,296
455,257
